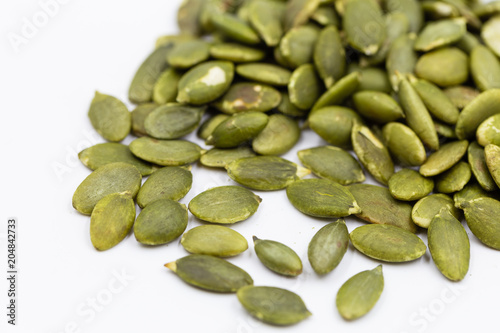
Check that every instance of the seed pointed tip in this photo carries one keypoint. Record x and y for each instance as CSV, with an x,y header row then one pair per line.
x,y
172,266
255,239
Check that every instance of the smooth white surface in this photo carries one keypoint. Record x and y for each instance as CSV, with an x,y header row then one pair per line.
x,y
46,90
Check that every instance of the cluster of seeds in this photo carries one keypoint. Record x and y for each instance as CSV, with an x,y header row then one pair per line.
x,y
407,83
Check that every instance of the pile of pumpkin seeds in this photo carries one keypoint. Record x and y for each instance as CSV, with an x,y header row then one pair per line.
x,y
408,85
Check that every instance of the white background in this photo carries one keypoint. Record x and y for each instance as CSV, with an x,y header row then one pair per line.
x,y
46,88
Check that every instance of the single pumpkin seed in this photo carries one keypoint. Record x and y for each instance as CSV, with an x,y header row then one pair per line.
x,y
484,68
401,59
210,273
304,87
234,28
358,295
372,78
111,220
214,240
468,42
329,56
492,156
297,45
446,67
220,158
477,161
440,33
461,96
266,73
266,17
488,131
377,106
110,117
111,178
443,159
188,54
387,243
470,192
173,121
165,152
403,144
481,215
454,179
426,208
338,92
246,96
490,35
236,53
188,17
326,15
298,12
278,137
208,126
411,8
165,88
139,114
328,246
277,257
409,185
478,110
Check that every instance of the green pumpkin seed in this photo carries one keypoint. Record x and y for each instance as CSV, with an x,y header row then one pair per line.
x,y
214,240
173,121
477,161
213,8
454,179
246,96
461,96
141,88
165,152
326,15
417,115
220,158
468,42
265,173
332,163
225,204
372,153
437,103
449,245
403,144
334,124
166,183
111,178
106,153
377,106
110,117
401,59
372,78
360,293
328,246
234,28
266,73
288,308
206,82
490,34
266,17
208,126
111,220
478,110
379,207
409,185
297,45
210,273
139,114
485,68
364,25
439,34
387,243
165,88
321,198
411,8
438,10
279,136
287,108
329,56
481,215
188,17
488,131
161,222
447,156
304,87
277,257
445,67
487,9
338,92
472,20
238,129
298,12
426,208
171,41
188,54
470,192
236,53
492,156
445,130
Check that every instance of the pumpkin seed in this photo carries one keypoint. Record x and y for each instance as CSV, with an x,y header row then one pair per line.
x,y
445,130
443,159
304,87
401,58
445,67
298,12
377,106
139,114
277,257
404,144
234,28
438,10
360,293
207,127
409,185
287,108
487,9
326,15
411,8
246,96
439,34
165,152
165,88
173,121
188,17
188,54
214,240
468,42
279,136
437,103
111,178
461,96
487,132
454,179
266,17
485,68
338,92
110,117
297,45
372,78
329,56
478,110
210,273
471,192
426,208
288,308
220,158
492,156
481,215
236,53
266,73
328,246
490,34
387,243
477,161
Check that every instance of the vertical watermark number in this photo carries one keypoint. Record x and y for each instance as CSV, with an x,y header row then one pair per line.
x,y
12,270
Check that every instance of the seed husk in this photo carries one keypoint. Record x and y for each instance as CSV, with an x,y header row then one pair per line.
x,y
490,35
208,126
265,173
329,56
297,45
266,17
238,129
139,114
322,198
111,178
332,163
165,88
478,110
246,96
409,185
470,192
372,153
210,273
277,257
224,204
105,153
165,152
379,206
401,59
266,73
445,67
387,243
234,28
426,208
338,92
461,96
236,53
449,245
110,117
220,158
477,161
111,220
360,293
288,308
304,87
411,8
377,106
161,222
166,183
205,82
214,240
328,246
173,121
404,144
440,33
443,159
454,179
481,215
278,137
488,131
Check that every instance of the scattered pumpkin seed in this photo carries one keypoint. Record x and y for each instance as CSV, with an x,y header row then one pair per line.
x,y
277,257
461,96
445,67
214,240
165,88
426,208
377,106
165,152
246,96
139,114
492,156
220,158
470,192
440,33
297,45
478,110
236,53
329,56
173,121
485,68
443,159
338,92
481,215
409,185
234,28
266,73
488,131
454,179
110,117
411,8
328,246
298,12
266,17
490,34
208,126
401,58
279,136
477,161
404,144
